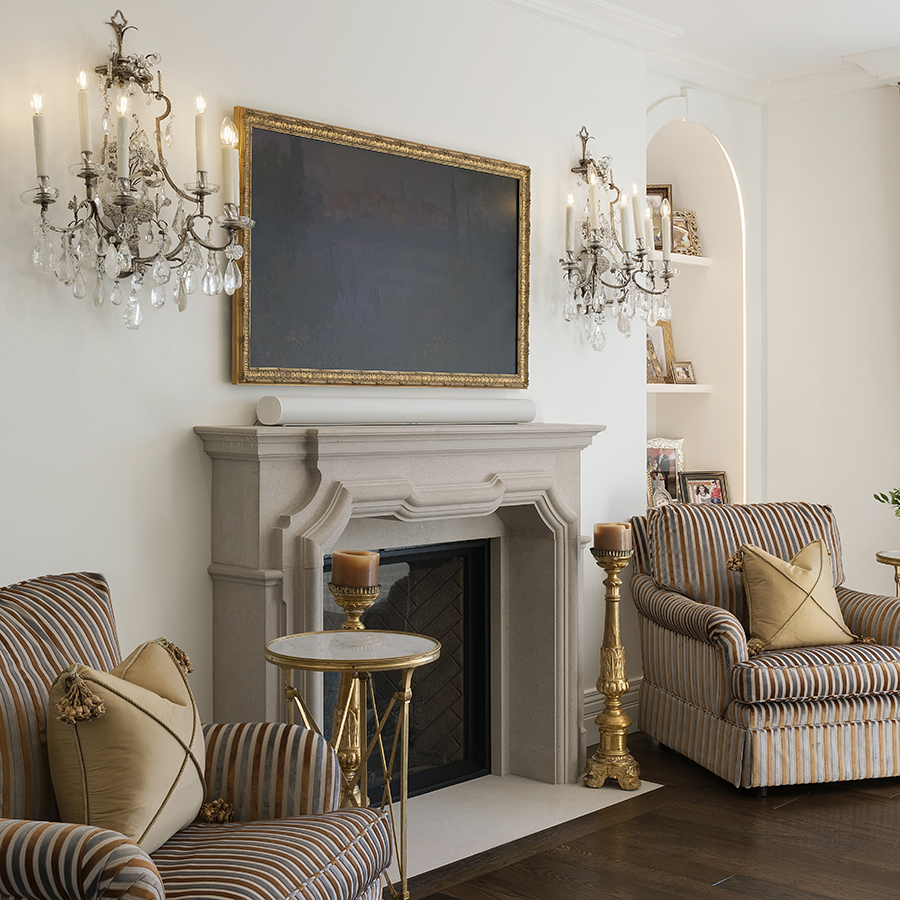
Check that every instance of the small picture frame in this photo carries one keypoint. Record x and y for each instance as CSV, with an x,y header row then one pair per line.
x,y
682,372
685,237
701,488
655,373
665,462
656,193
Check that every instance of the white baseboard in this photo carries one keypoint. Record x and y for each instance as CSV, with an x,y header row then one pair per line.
x,y
593,706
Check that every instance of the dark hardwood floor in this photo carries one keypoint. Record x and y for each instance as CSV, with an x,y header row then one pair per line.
x,y
698,837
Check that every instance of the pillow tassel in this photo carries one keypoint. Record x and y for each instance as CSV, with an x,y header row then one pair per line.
x,y
180,657
865,640
79,703
217,812
755,646
735,562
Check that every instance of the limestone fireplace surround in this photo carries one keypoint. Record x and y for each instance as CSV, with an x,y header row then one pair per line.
x,y
285,496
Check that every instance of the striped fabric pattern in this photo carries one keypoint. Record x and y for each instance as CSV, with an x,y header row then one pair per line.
x,y
328,857
60,861
870,615
814,673
271,770
791,714
795,716
45,624
690,545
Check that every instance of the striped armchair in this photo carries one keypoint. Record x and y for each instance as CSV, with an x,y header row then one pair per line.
x,y
289,840
795,716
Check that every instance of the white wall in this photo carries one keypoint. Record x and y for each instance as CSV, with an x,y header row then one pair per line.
x,y
99,468
834,317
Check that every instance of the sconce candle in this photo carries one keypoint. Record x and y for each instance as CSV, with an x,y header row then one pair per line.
x,y
40,132
627,223
666,227
122,131
570,225
612,536
229,136
84,122
200,133
636,212
354,568
649,242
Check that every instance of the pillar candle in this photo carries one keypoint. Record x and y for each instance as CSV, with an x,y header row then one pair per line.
x,y
354,568
39,125
200,133
84,122
612,536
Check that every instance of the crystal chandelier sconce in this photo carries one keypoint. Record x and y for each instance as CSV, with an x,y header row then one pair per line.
x,y
609,264
124,237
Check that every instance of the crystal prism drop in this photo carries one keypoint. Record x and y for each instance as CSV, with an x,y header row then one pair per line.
x,y
195,257
115,296
218,280
51,257
133,315
97,295
125,258
233,278
179,294
65,271
79,291
168,136
208,285
104,124
162,271
178,221
158,295
111,262
624,325
189,280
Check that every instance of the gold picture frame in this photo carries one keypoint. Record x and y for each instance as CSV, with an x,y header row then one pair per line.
x,y
685,236
659,337
378,261
682,372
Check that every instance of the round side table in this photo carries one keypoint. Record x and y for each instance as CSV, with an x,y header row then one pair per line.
x,y
891,558
356,654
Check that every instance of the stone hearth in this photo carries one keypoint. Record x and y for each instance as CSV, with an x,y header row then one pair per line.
x,y
285,496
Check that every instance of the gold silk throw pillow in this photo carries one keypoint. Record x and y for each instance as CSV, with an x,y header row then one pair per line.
x,y
792,604
126,747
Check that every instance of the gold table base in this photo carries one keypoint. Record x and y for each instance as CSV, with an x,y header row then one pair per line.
x,y
612,759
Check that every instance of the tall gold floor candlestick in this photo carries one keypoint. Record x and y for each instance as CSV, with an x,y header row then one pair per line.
x,y
348,728
612,759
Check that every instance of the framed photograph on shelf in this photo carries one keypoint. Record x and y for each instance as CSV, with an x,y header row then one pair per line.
x,y
682,373
704,487
660,337
378,261
665,462
656,193
685,237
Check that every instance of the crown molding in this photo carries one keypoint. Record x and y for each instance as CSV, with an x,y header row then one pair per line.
x,y
603,19
883,64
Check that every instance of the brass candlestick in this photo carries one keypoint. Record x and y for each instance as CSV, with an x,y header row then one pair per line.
x,y
612,759
350,740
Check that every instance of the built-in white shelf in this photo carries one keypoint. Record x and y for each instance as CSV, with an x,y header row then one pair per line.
x,y
679,388
682,259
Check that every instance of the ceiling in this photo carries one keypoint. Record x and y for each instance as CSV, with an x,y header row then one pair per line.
x,y
769,41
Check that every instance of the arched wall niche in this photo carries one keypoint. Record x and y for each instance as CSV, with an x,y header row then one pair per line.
x,y
709,323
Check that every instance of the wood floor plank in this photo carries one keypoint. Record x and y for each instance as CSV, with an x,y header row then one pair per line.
x,y
699,838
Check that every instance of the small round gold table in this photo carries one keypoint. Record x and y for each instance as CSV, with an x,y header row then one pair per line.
x,y
891,558
356,654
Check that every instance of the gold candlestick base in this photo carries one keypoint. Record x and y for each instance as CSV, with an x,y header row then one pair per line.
x,y
612,759
348,729
354,601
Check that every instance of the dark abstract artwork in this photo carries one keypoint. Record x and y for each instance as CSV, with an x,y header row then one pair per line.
x,y
376,261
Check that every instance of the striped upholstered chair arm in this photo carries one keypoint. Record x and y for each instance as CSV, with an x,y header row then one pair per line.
x,y
61,861
675,612
871,615
271,770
